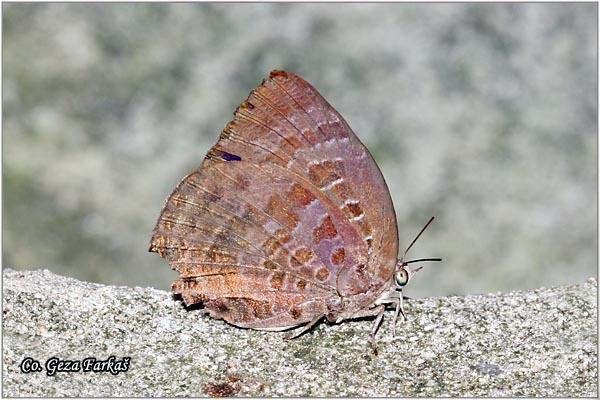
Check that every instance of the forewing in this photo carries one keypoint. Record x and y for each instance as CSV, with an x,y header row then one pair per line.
x,y
286,122
361,192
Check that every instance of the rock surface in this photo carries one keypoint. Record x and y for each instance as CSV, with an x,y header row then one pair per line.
x,y
537,343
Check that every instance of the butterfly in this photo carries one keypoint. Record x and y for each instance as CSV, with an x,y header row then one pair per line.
x,y
287,221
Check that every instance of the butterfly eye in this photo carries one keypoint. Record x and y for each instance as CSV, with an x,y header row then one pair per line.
x,y
401,277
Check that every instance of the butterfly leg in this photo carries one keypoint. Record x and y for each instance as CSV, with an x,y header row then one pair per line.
x,y
399,303
380,310
305,328
398,306
401,307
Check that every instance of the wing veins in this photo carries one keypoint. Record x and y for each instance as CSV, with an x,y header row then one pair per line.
x,y
246,142
247,221
257,121
276,109
283,269
301,179
222,226
301,108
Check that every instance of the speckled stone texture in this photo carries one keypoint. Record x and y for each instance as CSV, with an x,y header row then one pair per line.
x,y
537,343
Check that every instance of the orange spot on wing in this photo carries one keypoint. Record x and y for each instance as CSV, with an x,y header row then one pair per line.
x,y
269,265
301,257
304,255
277,280
283,236
325,231
300,196
277,208
322,274
323,174
271,246
341,190
301,284
295,312
354,209
338,256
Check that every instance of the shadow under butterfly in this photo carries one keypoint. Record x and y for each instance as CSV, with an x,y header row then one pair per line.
x,y
287,221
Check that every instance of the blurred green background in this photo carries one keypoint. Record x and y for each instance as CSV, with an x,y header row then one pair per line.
x,y
484,115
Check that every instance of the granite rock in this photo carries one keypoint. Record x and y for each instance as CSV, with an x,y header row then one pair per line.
x,y
534,343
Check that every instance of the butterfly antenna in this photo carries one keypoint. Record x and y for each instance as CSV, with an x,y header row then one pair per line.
x,y
415,239
422,259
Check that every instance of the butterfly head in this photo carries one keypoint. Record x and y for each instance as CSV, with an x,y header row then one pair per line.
x,y
403,272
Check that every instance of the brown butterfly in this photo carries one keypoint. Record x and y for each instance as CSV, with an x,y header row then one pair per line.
x,y
287,220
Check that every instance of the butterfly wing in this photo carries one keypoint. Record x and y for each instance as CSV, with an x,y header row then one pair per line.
x,y
343,168
278,221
